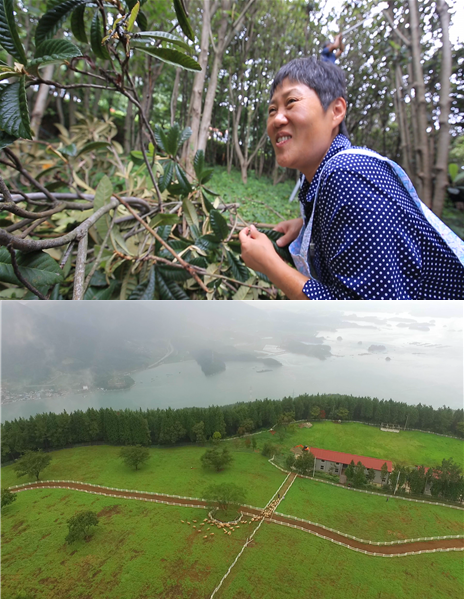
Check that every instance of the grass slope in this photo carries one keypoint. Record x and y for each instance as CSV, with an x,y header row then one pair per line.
x,y
368,516
139,550
408,447
288,563
175,471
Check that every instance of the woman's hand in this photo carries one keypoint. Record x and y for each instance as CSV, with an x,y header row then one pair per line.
x,y
258,252
290,230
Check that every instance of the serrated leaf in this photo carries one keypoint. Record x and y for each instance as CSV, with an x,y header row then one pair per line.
x,y
182,18
166,177
38,268
208,243
52,20
238,268
170,56
78,24
164,219
118,242
96,37
14,113
171,273
52,51
160,138
172,140
219,224
95,293
93,145
183,181
148,36
9,37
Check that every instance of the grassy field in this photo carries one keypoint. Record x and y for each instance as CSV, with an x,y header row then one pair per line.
x,y
368,516
408,447
289,563
138,550
259,199
175,470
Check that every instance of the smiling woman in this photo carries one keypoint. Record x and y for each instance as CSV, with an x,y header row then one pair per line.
x,y
370,235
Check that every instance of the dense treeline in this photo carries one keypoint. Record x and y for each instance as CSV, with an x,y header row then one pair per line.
x,y
167,427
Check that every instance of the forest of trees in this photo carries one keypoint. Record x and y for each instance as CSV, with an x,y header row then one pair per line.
x,y
141,116
168,427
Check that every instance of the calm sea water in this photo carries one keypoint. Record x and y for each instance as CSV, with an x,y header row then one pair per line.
x,y
424,367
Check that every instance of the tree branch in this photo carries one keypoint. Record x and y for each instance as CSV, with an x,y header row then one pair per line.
x,y
20,277
79,274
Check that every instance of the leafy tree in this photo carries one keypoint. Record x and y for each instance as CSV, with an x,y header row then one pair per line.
x,y
447,480
269,450
349,472
8,497
460,428
384,471
343,413
216,437
241,431
247,425
32,463
134,455
370,476
216,458
248,442
305,463
315,412
253,442
416,480
225,495
359,477
79,525
198,430
290,460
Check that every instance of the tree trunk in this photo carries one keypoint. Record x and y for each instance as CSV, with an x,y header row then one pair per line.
x,y
441,162
174,96
423,166
403,125
41,102
59,109
128,128
198,85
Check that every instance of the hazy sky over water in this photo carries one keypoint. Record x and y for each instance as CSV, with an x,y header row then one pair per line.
x,y
407,351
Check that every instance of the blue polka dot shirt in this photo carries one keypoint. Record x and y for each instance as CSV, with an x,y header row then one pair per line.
x,y
369,239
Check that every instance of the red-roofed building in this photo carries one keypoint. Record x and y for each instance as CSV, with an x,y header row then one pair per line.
x,y
335,462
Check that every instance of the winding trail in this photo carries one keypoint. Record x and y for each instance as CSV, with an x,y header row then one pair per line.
x,y
403,548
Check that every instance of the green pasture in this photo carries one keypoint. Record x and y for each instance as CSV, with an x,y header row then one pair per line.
x,y
369,516
139,550
174,470
408,447
289,563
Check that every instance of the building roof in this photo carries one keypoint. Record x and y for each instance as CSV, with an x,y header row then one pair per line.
x,y
345,458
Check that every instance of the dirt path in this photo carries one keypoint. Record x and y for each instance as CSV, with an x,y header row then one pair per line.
x,y
408,547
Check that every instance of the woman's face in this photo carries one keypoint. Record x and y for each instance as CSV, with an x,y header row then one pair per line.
x,y
300,130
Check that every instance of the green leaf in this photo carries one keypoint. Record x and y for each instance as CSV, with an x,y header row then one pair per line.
x,y
239,270
14,113
102,197
160,35
186,188
93,145
191,217
182,17
118,242
219,224
136,155
38,268
160,138
51,51
78,24
6,139
171,273
52,20
169,290
166,177
453,170
202,172
208,243
94,293
9,37
170,56
142,20
133,16
164,219
96,36
70,150
146,290
8,74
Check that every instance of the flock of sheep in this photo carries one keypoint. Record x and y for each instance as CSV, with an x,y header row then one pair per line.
x,y
227,528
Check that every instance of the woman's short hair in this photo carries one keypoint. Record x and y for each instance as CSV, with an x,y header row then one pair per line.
x,y
325,78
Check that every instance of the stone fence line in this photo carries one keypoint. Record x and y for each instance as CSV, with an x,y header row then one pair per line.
x,y
367,552
364,540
